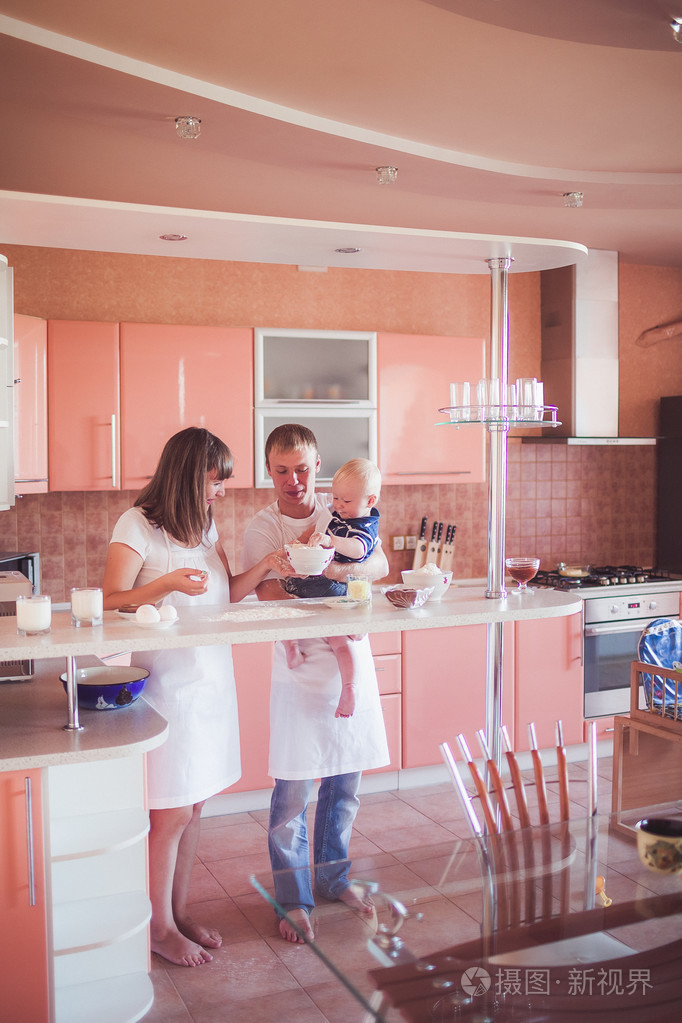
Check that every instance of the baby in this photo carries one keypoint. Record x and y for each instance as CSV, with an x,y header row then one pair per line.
x,y
353,532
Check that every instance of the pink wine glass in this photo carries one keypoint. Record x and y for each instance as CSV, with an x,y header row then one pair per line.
x,y
522,570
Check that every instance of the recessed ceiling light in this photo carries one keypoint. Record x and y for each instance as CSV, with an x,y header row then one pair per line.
x,y
676,27
387,175
573,199
348,251
188,127
173,237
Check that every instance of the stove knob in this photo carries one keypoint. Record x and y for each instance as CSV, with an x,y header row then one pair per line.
x,y
653,604
614,609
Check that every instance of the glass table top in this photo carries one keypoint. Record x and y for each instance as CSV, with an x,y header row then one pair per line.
x,y
544,924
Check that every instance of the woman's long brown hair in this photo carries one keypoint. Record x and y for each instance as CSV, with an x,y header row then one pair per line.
x,y
175,497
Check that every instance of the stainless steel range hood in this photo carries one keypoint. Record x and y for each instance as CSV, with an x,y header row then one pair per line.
x,y
579,310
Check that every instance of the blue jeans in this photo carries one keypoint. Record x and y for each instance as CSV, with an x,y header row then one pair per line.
x,y
288,844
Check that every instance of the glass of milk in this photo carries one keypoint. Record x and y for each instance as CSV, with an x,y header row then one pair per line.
x,y
86,606
34,615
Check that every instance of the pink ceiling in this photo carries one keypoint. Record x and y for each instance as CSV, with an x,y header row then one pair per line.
x,y
301,100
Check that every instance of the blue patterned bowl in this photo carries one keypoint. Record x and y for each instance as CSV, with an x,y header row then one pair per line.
x,y
108,687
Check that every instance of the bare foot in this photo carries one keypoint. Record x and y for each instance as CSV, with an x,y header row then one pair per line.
x,y
347,700
294,654
207,936
358,899
302,921
178,949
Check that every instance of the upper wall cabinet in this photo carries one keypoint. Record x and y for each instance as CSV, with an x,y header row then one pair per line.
x,y
175,376
322,379
117,394
414,373
30,405
83,404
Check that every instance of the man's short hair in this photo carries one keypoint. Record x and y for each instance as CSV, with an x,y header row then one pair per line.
x,y
290,437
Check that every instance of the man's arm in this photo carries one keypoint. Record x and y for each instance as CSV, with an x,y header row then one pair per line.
x,y
376,566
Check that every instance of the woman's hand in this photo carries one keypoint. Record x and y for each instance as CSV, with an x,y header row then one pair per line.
x,y
191,581
279,562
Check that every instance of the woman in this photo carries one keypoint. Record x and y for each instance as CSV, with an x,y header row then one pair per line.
x,y
166,550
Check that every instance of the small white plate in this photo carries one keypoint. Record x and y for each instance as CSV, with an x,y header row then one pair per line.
x,y
157,625
130,615
344,603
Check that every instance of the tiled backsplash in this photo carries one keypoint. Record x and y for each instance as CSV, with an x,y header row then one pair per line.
x,y
579,504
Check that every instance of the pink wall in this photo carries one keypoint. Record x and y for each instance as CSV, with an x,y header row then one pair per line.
x,y
580,504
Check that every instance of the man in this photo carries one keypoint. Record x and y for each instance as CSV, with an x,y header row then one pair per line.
x,y
306,740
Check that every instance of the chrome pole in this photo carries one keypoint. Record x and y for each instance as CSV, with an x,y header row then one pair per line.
x,y
497,495
73,724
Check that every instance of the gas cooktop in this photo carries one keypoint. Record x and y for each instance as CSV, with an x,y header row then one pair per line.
x,y
603,575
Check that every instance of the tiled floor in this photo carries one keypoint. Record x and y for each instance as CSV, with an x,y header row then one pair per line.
x,y
256,977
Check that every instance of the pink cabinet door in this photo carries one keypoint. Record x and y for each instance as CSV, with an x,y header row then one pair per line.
x,y
252,669
414,374
30,405
549,679
444,682
173,377
23,935
83,397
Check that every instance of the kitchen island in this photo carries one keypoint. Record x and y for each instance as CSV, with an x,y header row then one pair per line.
x,y
82,907
286,619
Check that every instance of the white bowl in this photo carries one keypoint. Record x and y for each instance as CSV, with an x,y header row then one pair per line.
x,y
440,583
308,560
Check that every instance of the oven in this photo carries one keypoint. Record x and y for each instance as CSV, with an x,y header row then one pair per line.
x,y
618,604
613,626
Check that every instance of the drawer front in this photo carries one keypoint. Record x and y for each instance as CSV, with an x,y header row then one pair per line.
x,y
391,707
388,673
385,643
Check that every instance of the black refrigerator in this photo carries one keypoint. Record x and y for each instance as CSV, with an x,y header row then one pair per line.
x,y
669,468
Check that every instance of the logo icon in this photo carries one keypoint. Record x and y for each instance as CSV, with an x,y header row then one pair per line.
x,y
476,981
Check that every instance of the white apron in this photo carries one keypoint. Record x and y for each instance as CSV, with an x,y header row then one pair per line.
x,y
306,740
194,690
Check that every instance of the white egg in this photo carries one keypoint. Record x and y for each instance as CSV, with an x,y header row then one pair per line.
x,y
167,613
147,614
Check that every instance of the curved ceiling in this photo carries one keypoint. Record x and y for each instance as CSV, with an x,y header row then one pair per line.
x,y
489,110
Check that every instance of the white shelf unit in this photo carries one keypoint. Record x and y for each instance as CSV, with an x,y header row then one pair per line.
x,y
323,379
97,869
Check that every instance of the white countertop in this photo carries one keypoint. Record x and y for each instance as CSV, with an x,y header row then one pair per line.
x,y
209,625
33,713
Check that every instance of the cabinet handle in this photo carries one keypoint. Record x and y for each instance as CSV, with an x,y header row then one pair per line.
x,y
29,842
435,472
113,449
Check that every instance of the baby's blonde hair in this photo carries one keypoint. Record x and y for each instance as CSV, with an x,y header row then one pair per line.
x,y
362,471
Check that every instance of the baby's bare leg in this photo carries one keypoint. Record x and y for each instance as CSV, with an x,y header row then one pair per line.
x,y
294,654
347,659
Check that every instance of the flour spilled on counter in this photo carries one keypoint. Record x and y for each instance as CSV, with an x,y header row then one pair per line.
x,y
256,614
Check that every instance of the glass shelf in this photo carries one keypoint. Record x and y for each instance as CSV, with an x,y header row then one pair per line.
x,y
479,415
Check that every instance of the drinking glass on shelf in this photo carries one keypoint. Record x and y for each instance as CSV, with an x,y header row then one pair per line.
x,y
539,405
511,408
522,570
460,401
526,393
488,394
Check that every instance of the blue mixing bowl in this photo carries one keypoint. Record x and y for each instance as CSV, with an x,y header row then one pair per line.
x,y
108,687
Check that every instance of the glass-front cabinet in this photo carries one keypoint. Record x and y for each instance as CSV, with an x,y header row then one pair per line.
x,y
325,380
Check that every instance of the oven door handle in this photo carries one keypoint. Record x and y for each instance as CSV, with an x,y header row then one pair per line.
x,y
614,628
